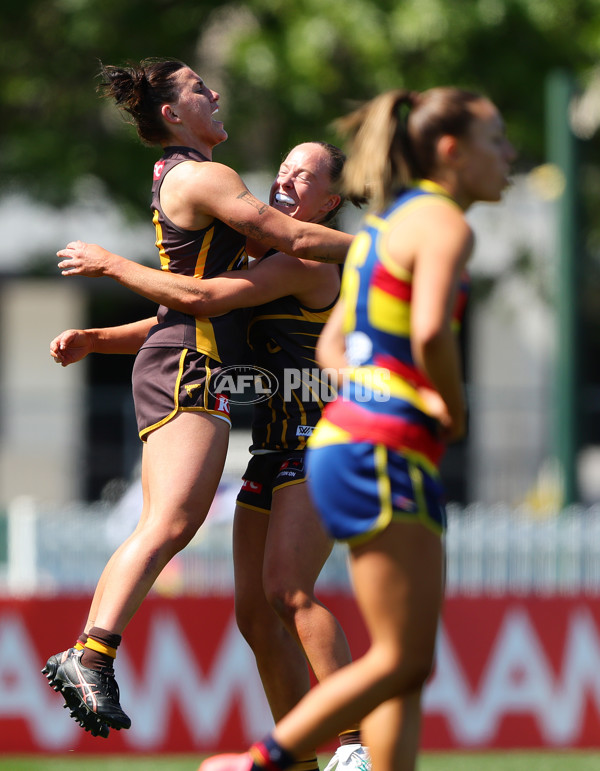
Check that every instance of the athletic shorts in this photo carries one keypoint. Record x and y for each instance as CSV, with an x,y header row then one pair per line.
x,y
167,381
267,473
360,488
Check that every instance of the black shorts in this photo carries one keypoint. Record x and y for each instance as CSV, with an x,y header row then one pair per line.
x,y
167,381
267,473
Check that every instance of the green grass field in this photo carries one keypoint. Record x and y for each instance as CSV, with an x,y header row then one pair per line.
x,y
476,761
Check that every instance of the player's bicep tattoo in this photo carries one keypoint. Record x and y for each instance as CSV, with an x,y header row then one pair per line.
x,y
250,229
247,196
242,225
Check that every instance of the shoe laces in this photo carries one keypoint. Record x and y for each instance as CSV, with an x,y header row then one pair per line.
x,y
112,687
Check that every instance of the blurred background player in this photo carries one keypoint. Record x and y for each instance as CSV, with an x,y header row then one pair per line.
x,y
425,158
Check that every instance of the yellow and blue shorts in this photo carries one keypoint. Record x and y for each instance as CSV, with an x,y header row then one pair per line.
x,y
360,488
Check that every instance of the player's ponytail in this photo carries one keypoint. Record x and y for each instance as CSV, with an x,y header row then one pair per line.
x,y
380,154
140,90
393,138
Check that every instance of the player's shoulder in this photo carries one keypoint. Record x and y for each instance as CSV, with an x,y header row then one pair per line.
x,y
193,171
204,184
432,212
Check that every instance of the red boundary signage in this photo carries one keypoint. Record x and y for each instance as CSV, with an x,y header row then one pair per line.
x,y
511,672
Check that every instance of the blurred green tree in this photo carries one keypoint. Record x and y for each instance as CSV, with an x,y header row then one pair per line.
x,y
284,72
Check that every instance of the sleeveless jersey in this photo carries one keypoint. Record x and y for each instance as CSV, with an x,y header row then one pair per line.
x,y
380,401
283,336
203,253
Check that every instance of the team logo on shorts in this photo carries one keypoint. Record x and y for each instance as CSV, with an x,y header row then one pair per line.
x,y
296,463
251,487
222,404
403,503
243,384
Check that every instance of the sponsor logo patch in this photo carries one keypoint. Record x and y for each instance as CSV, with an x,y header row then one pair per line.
x,y
251,487
222,404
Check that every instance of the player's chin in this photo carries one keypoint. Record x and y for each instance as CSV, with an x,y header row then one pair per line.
x,y
287,210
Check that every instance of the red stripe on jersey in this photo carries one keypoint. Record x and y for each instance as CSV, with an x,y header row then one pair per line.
x,y
396,287
407,372
389,430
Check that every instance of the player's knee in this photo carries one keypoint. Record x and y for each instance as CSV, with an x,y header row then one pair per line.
x,y
245,625
404,671
418,673
287,603
260,630
415,672
247,622
176,535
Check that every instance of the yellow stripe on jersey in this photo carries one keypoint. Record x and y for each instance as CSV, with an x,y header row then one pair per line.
x,y
272,421
285,416
388,313
432,187
380,456
164,257
205,339
327,433
319,317
203,253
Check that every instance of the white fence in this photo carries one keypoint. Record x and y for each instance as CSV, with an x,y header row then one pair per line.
x,y
499,550
490,550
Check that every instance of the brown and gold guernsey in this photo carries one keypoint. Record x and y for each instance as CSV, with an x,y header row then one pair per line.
x,y
283,336
201,253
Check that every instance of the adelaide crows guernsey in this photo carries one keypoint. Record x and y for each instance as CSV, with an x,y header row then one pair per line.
x,y
283,336
381,402
203,253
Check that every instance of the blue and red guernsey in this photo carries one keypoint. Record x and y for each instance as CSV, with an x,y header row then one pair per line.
x,y
382,403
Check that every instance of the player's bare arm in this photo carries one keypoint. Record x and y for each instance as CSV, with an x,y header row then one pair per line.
x,y
249,198
73,345
216,190
266,281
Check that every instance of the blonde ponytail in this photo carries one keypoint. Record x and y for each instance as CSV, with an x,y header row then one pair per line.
x,y
379,156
